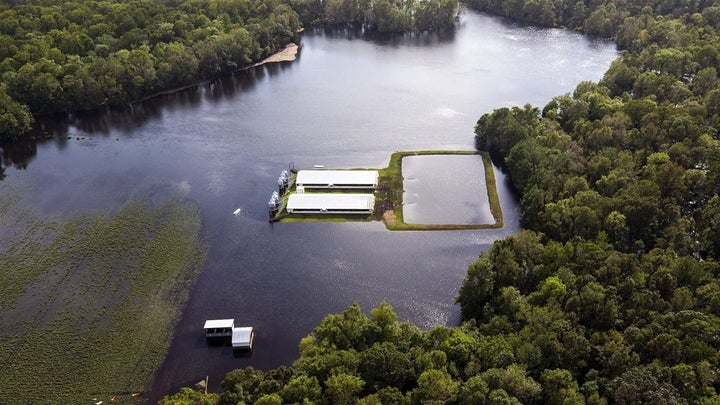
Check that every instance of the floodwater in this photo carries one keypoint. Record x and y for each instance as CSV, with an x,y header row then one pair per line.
x,y
346,102
445,189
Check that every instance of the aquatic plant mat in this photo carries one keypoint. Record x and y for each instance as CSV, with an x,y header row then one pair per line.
x,y
389,198
88,305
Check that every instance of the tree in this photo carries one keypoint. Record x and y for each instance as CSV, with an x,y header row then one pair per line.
x,y
499,131
15,118
383,365
342,389
709,227
385,396
560,388
35,84
474,391
435,387
177,65
349,330
477,288
301,388
514,381
189,396
615,225
551,291
385,320
639,386
641,209
459,345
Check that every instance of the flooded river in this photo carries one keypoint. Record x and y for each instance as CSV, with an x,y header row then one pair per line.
x,y
346,102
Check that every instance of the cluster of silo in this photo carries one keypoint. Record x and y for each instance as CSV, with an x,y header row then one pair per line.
x,y
274,202
283,181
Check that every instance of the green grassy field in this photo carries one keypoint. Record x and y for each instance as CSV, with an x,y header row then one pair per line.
x,y
88,305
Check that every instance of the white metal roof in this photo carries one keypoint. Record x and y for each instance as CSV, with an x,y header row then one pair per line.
x,y
337,177
329,202
241,336
219,323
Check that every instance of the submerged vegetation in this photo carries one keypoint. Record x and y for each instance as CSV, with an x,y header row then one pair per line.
x,y
88,305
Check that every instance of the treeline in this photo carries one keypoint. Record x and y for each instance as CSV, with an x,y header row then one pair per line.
x,y
79,55
596,17
61,56
354,359
616,280
391,16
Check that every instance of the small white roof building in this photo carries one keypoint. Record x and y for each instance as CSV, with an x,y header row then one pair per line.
x,y
218,328
242,338
337,179
323,203
219,324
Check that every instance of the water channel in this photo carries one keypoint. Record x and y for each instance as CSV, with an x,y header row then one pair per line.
x,y
346,102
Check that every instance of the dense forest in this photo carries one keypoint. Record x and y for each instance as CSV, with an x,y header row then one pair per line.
x,y
614,282
611,293
63,56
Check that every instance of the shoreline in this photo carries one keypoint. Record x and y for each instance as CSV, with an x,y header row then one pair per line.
x,y
286,54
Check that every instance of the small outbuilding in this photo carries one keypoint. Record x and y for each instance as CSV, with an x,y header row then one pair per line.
x,y
242,338
337,179
219,328
325,203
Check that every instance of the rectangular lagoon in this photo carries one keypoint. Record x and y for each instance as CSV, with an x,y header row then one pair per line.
x,y
445,189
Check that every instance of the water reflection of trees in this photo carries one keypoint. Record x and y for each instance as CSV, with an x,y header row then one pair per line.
x,y
415,38
228,87
124,120
17,154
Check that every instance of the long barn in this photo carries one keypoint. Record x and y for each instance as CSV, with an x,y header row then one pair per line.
x,y
337,179
321,203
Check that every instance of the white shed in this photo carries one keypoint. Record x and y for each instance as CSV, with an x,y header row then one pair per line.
x,y
317,203
337,179
242,338
218,328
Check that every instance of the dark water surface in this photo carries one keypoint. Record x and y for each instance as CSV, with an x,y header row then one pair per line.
x,y
445,189
346,102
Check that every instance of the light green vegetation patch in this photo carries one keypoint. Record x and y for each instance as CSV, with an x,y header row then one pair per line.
x,y
88,305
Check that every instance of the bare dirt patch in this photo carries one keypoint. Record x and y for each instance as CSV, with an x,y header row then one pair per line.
x,y
287,54
389,218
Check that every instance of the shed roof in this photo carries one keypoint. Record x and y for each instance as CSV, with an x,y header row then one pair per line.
x,y
242,336
337,177
219,323
329,202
